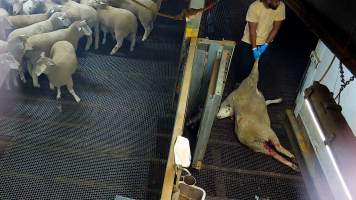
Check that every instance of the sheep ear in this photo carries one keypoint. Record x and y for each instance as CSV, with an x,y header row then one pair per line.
x,y
43,54
26,46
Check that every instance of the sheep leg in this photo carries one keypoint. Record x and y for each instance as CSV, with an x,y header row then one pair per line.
x,y
275,142
51,86
105,31
113,36
21,72
274,101
58,93
71,90
89,42
119,40
279,158
7,84
34,76
104,38
133,41
148,29
97,32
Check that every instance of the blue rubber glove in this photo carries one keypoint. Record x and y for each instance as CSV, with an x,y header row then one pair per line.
x,y
256,53
263,48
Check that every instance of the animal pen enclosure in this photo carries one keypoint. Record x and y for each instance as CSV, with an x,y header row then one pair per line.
x,y
109,144
116,140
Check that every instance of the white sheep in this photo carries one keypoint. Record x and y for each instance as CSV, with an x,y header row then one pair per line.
x,y
7,62
119,22
145,15
17,47
28,7
17,6
4,24
59,68
20,21
77,11
33,7
57,21
3,12
44,41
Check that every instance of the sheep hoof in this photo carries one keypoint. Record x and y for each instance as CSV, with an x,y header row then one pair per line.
x,y
87,48
113,51
36,85
77,99
23,79
132,49
295,168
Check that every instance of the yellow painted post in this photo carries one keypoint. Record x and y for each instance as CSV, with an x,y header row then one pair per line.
x,y
179,121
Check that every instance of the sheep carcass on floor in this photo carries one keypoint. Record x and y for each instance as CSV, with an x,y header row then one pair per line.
x,y
252,123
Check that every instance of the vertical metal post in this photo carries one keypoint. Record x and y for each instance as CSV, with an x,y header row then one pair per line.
x,y
191,31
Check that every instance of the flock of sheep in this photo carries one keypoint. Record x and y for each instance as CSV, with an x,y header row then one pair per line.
x,y
43,35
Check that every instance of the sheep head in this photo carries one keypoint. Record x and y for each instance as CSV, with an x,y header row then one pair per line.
x,y
17,6
57,8
38,7
225,112
98,4
18,46
82,28
60,20
43,65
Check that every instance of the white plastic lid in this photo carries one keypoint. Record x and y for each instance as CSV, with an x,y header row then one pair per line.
x,y
182,155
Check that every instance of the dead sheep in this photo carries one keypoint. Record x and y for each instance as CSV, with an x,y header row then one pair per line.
x,y
57,21
145,16
252,123
76,11
43,43
59,67
120,23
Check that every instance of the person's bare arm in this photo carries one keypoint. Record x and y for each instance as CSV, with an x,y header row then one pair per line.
x,y
274,31
253,34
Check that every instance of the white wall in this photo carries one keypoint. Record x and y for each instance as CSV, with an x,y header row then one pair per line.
x,y
332,81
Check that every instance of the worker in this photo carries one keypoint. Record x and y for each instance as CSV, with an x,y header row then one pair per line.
x,y
264,19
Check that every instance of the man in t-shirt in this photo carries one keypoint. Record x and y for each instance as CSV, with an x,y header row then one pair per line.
x,y
264,18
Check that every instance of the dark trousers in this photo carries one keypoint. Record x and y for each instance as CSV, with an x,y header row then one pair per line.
x,y
244,60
